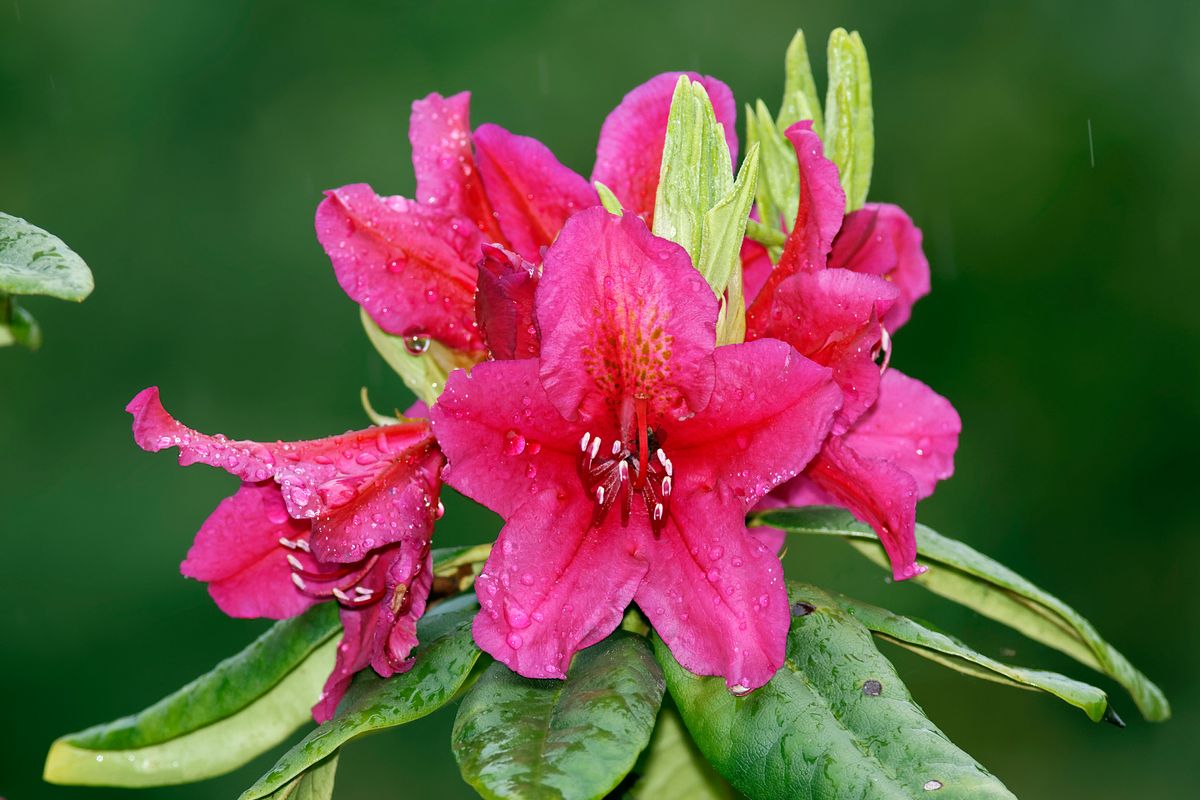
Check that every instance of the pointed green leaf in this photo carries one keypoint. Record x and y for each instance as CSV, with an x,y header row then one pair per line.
x,y
779,176
609,200
246,705
313,784
835,721
33,261
951,652
424,373
800,98
721,247
674,768
17,326
970,578
572,739
849,119
442,663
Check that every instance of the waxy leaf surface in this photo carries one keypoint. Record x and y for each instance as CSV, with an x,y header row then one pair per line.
x,y
33,261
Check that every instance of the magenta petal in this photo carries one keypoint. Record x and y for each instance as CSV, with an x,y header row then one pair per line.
x,y
532,193
912,427
832,316
624,314
879,493
756,268
629,154
238,554
447,178
716,594
880,239
770,411
554,584
504,304
411,266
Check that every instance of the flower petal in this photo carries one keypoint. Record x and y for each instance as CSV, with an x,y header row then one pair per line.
x,y
238,554
411,266
504,304
447,178
768,415
716,594
624,314
880,239
532,193
629,153
555,584
879,493
912,427
756,267
832,316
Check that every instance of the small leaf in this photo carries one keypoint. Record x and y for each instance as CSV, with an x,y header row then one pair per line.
x,y
835,721
572,739
800,99
609,200
720,262
243,707
17,326
423,365
33,261
313,784
442,663
674,767
951,652
849,119
970,578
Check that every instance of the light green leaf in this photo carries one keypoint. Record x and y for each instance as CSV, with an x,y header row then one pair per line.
x,y
33,261
313,784
951,652
442,663
244,706
570,740
674,767
800,98
720,263
609,200
17,326
835,721
778,194
849,119
968,577
421,363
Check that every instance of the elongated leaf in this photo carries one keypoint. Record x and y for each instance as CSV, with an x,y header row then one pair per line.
x,y
17,326
572,739
953,653
442,663
835,721
423,365
968,577
314,784
778,194
609,200
246,705
674,768
849,118
33,261
721,247
800,98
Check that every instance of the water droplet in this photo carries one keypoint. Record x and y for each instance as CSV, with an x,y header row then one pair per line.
x,y
932,785
515,641
416,341
514,443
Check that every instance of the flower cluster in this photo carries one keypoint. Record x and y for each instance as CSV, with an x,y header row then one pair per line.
x,y
596,410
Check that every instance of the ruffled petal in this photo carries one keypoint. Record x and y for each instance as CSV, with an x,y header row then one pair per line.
x,y
447,178
912,427
238,554
629,153
532,193
411,266
504,304
832,316
555,584
879,493
624,314
880,239
716,594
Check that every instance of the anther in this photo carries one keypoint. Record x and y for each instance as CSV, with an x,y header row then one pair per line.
x,y
288,543
623,470
658,511
595,446
340,595
666,486
295,562
616,448
583,443
600,495
302,544
365,592
296,579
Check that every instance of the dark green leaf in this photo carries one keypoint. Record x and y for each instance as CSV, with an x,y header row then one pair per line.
x,y
835,721
313,784
970,578
674,768
442,663
571,739
33,261
244,706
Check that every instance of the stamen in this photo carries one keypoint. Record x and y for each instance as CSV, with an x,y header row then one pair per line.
x,y
583,443
295,562
288,543
643,437
364,591
302,544
616,448
885,344
666,486
600,495
595,447
340,595
296,579
623,470
658,512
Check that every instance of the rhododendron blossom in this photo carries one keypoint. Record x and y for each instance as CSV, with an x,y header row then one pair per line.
x,y
893,438
345,519
624,458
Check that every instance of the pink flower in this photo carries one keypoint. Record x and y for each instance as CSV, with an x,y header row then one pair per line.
x,y
624,458
841,284
347,518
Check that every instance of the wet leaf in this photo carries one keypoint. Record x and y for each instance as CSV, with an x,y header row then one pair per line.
x,y
849,119
674,768
778,195
246,705
800,98
572,739
835,721
609,200
970,578
423,365
721,246
17,326
33,261
313,784
442,663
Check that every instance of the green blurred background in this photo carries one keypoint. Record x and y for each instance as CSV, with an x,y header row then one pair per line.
x,y
181,148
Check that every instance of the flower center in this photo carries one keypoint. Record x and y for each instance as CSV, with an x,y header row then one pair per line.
x,y
617,469
353,585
